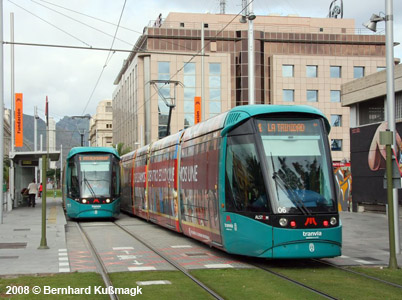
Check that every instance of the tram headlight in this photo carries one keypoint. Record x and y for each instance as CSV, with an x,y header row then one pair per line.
x,y
333,221
283,222
107,200
84,201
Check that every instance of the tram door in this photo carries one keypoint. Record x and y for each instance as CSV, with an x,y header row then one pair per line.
x,y
212,190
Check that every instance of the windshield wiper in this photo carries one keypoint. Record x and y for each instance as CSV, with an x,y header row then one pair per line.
x,y
89,186
292,195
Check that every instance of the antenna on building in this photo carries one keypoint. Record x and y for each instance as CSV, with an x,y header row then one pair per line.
x,y
336,9
222,4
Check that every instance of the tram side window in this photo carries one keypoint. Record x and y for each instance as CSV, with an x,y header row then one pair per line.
x,y
245,188
74,185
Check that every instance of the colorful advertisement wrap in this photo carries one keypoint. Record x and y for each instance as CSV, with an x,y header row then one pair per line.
x,y
19,116
368,163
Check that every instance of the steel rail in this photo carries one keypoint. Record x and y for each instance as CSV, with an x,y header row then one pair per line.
x,y
98,261
294,281
358,273
172,262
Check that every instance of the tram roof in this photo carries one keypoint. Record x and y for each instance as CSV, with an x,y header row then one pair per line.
x,y
78,150
240,113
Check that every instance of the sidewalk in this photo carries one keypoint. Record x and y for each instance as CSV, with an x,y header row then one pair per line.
x,y
20,237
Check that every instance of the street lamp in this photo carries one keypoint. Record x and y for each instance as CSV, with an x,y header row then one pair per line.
x,y
389,50
248,13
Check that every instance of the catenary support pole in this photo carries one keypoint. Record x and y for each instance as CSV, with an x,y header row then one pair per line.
x,y
392,254
1,112
43,241
389,49
251,64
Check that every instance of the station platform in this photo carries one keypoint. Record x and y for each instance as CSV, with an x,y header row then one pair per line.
x,y
365,240
20,237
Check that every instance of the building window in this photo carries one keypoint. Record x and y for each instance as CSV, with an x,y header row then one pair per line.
x,y
358,72
215,106
379,69
372,111
336,145
312,95
335,71
287,70
164,89
109,108
336,120
189,94
288,95
108,125
335,96
311,71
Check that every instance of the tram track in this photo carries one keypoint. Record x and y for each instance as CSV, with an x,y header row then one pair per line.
x,y
171,262
100,266
293,281
358,273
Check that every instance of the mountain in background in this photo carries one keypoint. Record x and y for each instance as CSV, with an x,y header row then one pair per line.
x,y
67,133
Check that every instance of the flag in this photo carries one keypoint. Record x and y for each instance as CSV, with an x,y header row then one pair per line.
x,y
19,116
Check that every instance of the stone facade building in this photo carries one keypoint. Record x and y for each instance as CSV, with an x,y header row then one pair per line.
x,y
298,60
100,125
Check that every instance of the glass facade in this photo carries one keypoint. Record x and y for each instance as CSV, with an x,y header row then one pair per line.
x,y
287,70
335,71
336,145
311,71
335,96
163,109
312,95
189,93
215,105
288,95
336,120
358,72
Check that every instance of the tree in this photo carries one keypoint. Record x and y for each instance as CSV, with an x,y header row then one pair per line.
x,y
121,149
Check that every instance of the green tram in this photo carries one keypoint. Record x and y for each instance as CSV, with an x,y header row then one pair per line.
x,y
91,183
256,181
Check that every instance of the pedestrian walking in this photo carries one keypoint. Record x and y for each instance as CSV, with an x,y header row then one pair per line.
x,y
32,191
40,190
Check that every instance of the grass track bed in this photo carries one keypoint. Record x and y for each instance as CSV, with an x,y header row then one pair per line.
x,y
341,284
251,283
74,280
182,287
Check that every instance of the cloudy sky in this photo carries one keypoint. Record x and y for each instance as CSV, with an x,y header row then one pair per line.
x,y
73,79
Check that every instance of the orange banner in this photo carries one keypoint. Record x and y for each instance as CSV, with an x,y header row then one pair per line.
x,y
19,126
197,110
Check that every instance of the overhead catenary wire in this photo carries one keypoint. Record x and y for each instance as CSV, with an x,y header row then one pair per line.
x,y
109,56
82,23
197,54
100,20
47,22
92,17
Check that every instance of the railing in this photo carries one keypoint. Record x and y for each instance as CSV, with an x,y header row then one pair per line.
x,y
291,28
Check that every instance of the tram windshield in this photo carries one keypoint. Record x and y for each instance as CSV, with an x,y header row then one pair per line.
x,y
95,175
299,172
